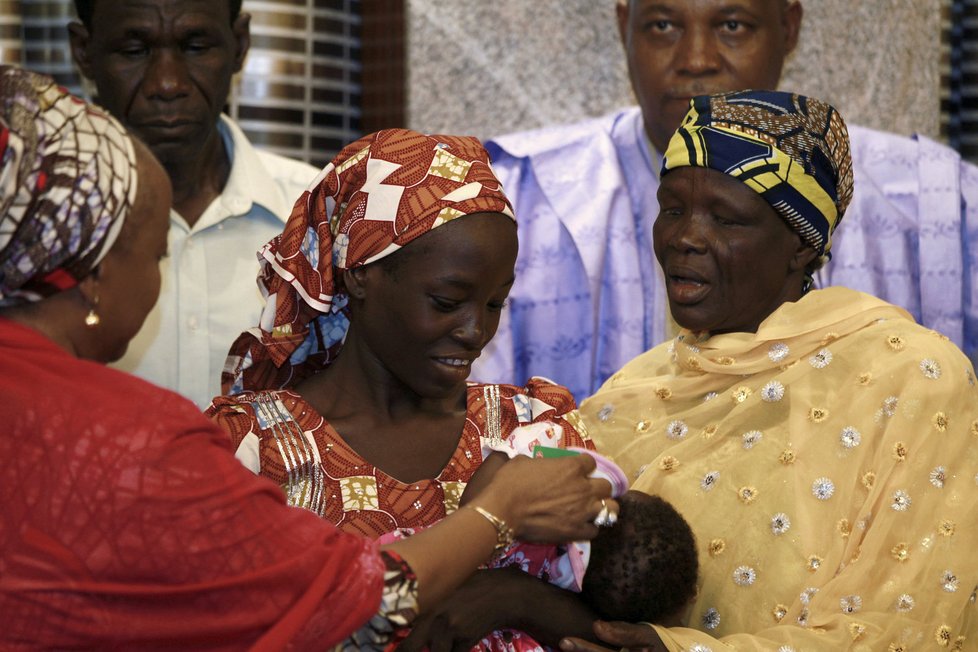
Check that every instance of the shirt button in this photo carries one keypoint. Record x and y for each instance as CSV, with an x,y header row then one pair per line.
x,y
192,323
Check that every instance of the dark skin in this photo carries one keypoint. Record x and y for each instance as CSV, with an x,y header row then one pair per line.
x,y
676,49
730,260
640,638
450,628
481,478
395,401
164,68
446,628
378,436
394,377
397,392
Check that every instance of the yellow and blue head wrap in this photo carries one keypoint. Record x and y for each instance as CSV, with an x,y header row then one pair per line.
x,y
790,149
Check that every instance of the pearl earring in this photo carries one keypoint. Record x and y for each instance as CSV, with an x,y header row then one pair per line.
x,y
92,319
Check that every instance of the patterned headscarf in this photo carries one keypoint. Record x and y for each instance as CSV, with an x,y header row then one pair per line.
x,y
790,149
380,193
67,182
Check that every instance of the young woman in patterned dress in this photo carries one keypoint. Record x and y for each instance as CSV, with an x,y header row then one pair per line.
x,y
384,287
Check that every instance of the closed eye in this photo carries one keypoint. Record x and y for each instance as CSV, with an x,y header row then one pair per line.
x,y
444,304
132,50
197,46
726,221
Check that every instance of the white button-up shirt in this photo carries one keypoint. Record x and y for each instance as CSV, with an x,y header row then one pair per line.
x,y
209,294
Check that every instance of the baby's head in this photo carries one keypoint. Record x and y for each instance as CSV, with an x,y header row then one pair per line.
x,y
644,568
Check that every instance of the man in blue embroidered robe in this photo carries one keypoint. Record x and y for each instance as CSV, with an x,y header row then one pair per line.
x,y
589,295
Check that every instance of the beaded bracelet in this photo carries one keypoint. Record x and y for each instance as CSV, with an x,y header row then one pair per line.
x,y
504,533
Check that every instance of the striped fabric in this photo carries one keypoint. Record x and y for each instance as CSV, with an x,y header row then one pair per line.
x,y
790,149
960,92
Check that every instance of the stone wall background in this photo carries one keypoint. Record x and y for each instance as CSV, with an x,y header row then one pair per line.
x,y
486,68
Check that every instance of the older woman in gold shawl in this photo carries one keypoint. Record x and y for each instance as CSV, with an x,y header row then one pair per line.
x,y
823,446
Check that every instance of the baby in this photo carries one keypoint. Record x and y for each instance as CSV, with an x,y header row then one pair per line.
x,y
641,568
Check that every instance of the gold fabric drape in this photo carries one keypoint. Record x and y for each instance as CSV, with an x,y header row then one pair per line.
x,y
828,466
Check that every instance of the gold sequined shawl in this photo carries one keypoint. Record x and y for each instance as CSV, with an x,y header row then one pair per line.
x,y
828,465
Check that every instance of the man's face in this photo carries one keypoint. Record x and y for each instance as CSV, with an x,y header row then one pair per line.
x,y
680,48
163,67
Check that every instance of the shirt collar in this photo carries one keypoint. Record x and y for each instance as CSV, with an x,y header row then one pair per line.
x,y
651,155
249,181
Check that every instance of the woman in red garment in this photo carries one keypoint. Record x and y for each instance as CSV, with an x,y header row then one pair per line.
x,y
126,521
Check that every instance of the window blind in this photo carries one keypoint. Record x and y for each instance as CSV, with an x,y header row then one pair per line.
x,y
299,93
960,88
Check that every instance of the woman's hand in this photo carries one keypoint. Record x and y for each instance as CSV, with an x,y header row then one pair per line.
x,y
641,638
548,500
505,598
542,501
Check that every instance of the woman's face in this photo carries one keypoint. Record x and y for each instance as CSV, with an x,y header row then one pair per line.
x,y
129,275
729,259
425,313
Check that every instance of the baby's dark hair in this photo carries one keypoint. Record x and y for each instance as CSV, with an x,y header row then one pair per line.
x,y
644,568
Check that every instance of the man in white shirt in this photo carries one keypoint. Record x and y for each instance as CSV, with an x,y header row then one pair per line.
x,y
164,68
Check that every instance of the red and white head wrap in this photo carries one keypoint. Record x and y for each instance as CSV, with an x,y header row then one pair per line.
x,y
380,193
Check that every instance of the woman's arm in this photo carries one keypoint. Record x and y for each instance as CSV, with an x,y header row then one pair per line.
x,y
505,598
521,495
620,636
482,477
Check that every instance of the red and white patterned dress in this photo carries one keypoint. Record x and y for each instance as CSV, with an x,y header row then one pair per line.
x,y
277,434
